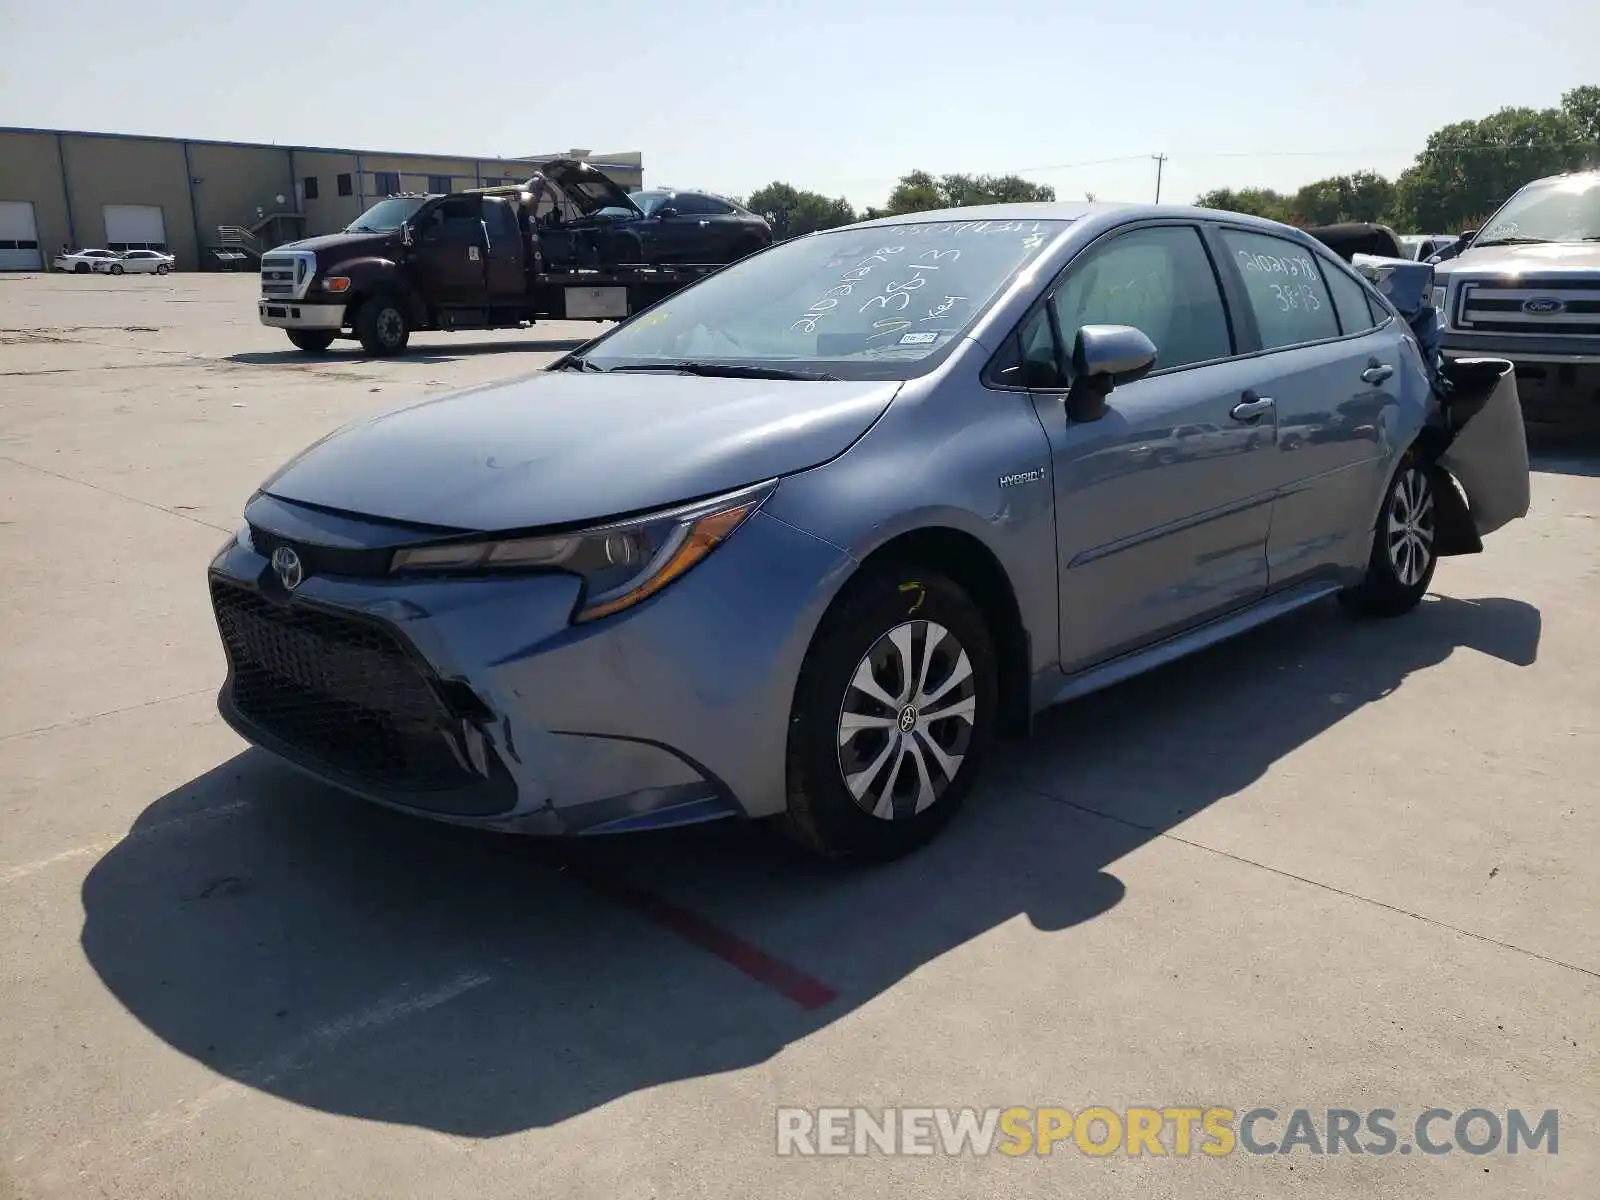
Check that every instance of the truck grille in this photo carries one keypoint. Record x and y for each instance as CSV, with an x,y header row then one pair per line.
x,y
342,691
1503,306
285,276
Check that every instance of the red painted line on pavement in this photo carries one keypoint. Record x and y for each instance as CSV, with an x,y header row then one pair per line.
x,y
788,981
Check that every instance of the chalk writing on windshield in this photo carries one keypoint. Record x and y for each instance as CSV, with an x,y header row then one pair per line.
x,y
829,300
896,295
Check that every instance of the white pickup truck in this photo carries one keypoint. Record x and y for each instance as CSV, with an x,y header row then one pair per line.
x,y
1526,287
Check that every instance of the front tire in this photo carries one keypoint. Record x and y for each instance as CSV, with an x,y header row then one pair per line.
x,y
382,326
163,269
116,268
1403,557
312,341
892,718
80,268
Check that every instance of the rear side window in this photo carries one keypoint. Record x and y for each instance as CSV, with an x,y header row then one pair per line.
x,y
1349,300
1286,291
1160,281
701,206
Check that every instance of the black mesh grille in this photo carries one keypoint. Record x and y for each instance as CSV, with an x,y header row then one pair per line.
x,y
340,690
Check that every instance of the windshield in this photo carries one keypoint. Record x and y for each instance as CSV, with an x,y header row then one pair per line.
x,y
648,202
858,303
386,215
1562,210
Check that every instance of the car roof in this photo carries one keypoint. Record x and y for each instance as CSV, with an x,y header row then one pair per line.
x,y
1058,210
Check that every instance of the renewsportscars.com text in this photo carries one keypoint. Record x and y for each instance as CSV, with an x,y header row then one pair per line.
x,y
1179,1131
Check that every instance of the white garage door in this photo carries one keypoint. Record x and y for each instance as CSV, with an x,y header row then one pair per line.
x,y
19,237
135,227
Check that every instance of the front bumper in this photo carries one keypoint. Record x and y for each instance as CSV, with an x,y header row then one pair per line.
x,y
298,314
1558,378
475,701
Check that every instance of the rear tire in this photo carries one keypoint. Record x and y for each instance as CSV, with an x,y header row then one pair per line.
x,y
383,327
80,268
116,268
1403,557
312,341
870,776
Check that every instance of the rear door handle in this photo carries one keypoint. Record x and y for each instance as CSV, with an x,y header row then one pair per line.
x,y
1252,409
1377,373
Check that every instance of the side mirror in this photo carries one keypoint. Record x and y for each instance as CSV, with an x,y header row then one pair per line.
x,y
1104,356
407,238
1466,236
666,210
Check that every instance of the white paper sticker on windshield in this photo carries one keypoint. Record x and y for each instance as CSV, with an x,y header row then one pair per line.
x,y
919,339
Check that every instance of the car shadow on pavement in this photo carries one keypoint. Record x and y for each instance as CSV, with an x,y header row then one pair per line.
x,y
369,964
343,352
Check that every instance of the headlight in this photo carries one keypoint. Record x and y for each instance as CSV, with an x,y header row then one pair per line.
x,y
620,564
1438,299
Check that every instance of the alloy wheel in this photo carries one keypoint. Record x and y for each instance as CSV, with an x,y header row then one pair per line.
x,y
907,720
1411,524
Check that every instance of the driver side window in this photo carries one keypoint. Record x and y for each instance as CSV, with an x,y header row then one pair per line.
x,y
1160,281
455,220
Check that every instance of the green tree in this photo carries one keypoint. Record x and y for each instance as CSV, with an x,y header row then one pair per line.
x,y
1583,106
919,191
1364,196
1469,168
1255,202
795,212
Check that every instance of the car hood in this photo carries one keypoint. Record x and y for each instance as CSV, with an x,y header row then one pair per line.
x,y
1544,258
330,241
568,447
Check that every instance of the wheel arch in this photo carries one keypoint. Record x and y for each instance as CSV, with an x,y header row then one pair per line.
x,y
972,566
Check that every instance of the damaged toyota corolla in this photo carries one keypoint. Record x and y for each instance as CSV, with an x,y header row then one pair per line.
x,y
801,541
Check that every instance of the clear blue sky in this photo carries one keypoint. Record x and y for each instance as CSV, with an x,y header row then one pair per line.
x,y
840,97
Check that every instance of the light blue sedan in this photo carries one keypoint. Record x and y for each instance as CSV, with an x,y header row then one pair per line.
x,y
802,540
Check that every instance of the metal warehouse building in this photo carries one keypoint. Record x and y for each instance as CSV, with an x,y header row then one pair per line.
x,y
202,200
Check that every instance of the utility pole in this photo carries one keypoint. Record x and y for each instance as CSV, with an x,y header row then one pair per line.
x,y
1161,161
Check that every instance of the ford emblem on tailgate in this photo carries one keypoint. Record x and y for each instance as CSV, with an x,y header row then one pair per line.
x,y
1543,306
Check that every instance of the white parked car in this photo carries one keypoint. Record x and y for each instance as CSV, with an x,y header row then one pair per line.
x,y
84,261
146,262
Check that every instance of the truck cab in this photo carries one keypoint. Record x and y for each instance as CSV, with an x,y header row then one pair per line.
x,y
569,245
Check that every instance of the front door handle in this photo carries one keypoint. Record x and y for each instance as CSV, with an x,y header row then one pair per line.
x,y
1253,408
1377,373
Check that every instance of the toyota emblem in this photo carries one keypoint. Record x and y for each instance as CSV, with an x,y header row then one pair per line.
x,y
287,564
1543,306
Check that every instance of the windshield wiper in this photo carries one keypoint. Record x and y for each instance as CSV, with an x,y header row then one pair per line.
x,y
1512,241
576,362
731,371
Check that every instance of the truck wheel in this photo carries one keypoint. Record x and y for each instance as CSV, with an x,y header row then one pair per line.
x,y
382,326
312,341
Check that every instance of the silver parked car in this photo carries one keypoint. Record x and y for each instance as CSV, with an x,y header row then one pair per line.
x,y
799,541
143,262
